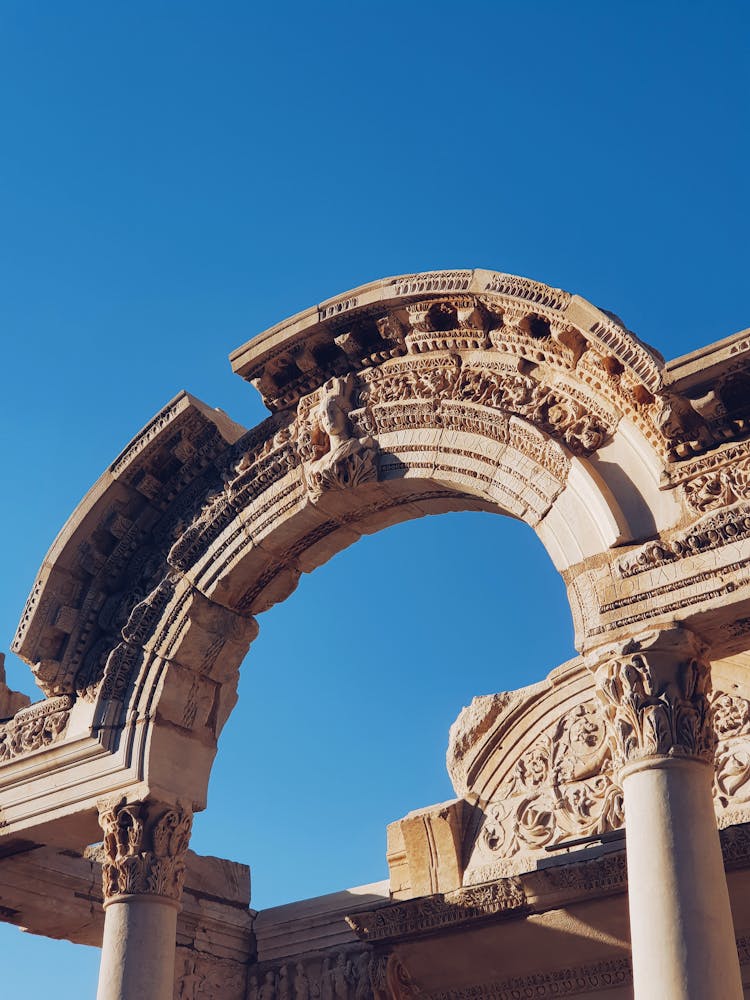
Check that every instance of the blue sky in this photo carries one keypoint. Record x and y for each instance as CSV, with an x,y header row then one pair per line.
x,y
175,177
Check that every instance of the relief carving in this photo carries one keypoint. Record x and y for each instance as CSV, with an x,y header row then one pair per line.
x,y
415,916
593,978
655,692
577,422
732,769
333,457
561,788
144,849
719,487
35,727
717,529
205,977
345,975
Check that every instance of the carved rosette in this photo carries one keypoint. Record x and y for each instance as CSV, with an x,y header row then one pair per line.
x,y
144,849
655,690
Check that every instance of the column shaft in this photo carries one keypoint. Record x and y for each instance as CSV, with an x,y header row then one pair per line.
x,y
656,692
680,920
138,950
143,869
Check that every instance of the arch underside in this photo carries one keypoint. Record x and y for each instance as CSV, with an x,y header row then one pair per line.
x,y
413,396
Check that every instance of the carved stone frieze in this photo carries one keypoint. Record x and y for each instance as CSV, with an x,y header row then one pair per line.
x,y
719,528
603,875
200,976
419,916
144,848
557,410
35,727
350,974
594,978
655,691
719,487
732,767
561,788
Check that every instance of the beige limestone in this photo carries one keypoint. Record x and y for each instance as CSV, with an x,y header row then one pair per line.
x,y
452,390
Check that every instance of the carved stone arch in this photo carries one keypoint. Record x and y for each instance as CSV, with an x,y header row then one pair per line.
x,y
412,395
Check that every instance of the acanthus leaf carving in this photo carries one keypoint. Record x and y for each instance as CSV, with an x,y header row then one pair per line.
x,y
719,487
555,410
561,788
655,691
732,768
144,849
35,727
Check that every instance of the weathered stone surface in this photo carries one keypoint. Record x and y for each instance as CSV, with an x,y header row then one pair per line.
x,y
453,390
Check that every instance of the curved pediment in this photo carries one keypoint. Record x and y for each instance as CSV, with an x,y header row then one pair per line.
x,y
536,766
443,391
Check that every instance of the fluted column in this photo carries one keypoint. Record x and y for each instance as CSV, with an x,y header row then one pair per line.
x,y
655,693
142,875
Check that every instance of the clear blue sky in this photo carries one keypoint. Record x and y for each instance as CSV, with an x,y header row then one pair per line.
x,y
175,177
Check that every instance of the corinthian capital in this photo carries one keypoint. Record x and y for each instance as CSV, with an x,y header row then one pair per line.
x,y
655,690
144,849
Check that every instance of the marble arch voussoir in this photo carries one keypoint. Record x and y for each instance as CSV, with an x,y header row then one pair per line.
x,y
442,391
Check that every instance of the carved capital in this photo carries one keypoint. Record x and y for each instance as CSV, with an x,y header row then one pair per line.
x,y
655,691
144,849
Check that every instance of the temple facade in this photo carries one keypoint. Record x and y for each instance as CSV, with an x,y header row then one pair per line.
x,y
598,844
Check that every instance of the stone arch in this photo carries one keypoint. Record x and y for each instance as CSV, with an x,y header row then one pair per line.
x,y
412,395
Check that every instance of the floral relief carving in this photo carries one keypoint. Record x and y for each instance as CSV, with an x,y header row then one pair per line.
x,y
719,487
143,851
594,978
561,788
732,767
35,727
550,408
655,691
415,916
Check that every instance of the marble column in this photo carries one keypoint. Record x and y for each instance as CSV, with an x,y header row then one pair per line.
x,y
655,692
143,870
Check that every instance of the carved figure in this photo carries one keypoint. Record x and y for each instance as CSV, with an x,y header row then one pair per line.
x,y
326,980
268,989
333,458
340,977
301,983
361,976
190,982
283,986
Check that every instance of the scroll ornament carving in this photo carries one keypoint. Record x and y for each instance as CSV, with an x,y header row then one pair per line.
x,y
143,853
550,408
655,691
333,458
561,788
719,487
400,984
595,978
35,727
415,916
732,769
